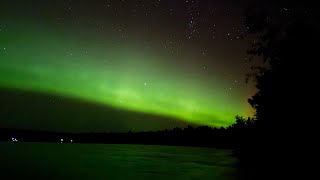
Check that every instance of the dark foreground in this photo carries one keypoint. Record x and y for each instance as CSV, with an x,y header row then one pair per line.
x,y
93,161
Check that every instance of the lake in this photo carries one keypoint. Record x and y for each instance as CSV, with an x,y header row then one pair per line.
x,y
110,161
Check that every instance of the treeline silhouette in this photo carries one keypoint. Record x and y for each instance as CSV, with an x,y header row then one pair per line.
x,y
286,41
202,136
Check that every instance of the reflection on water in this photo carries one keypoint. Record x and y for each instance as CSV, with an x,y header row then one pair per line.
x,y
88,161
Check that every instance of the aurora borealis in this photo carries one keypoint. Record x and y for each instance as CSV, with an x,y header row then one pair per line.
x,y
135,59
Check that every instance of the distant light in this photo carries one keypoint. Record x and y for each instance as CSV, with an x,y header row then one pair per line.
x,y
61,140
71,141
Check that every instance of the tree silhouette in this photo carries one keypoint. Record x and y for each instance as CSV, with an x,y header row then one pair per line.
x,y
285,44
287,38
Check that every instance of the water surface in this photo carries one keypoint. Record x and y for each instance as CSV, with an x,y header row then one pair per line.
x,y
109,161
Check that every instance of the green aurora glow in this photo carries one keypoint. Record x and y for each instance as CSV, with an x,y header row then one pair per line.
x,y
127,77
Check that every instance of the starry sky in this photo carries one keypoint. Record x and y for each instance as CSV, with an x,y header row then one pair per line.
x,y
119,65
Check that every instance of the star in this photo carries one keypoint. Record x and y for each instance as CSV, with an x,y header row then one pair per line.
x,y
204,67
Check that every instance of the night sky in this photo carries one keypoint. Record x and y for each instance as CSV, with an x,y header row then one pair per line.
x,y
119,65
